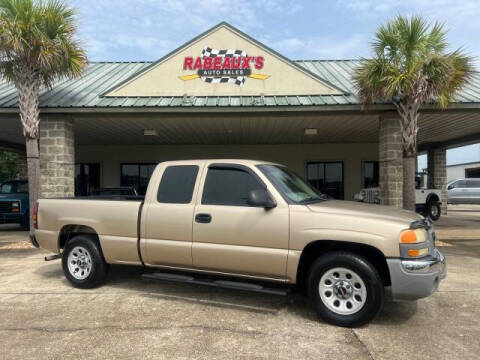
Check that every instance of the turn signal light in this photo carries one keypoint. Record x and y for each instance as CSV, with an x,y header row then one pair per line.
x,y
35,216
408,237
417,252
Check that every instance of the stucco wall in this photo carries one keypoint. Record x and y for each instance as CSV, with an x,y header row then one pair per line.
x,y
458,171
294,156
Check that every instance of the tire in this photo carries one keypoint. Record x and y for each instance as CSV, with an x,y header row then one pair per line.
x,y
352,280
434,210
92,270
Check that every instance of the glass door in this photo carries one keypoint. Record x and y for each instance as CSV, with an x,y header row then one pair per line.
x,y
327,177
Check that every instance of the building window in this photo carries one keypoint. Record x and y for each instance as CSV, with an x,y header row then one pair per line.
x,y
327,177
136,176
87,178
370,174
472,172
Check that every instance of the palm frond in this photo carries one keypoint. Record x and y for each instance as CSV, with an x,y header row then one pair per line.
x,y
410,62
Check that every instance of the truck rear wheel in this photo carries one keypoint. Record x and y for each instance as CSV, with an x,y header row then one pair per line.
x,y
346,289
434,210
83,263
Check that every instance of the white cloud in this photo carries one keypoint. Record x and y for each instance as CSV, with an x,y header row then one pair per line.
x,y
320,47
108,25
453,10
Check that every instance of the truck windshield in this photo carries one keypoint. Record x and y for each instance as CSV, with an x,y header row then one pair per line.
x,y
14,187
292,186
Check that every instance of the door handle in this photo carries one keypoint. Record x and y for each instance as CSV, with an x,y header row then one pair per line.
x,y
203,218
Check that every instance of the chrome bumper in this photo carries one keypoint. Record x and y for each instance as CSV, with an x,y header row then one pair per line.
x,y
415,279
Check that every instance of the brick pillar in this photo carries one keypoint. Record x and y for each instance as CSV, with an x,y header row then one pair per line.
x,y
437,173
22,169
391,162
57,158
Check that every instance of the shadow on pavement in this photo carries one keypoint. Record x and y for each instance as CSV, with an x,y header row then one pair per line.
x,y
127,279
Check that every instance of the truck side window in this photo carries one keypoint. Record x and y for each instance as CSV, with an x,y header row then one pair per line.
x,y
177,184
228,186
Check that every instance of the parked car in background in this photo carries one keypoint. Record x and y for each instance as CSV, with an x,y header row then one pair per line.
x,y
115,191
218,220
464,191
14,203
428,201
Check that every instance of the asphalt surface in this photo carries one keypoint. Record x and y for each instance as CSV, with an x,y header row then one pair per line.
x,y
42,316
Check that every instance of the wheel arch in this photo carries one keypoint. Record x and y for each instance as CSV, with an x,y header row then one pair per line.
x,y
432,197
317,248
69,231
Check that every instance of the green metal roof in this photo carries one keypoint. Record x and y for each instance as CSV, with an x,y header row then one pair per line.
x,y
86,91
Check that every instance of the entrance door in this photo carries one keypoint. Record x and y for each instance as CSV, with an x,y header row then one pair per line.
x,y
231,236
87,178
327,177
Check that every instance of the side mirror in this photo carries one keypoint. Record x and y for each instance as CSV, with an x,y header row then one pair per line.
x,y
450,187
261,198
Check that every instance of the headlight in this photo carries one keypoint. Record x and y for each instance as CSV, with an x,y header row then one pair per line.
x,y
413,236
15,206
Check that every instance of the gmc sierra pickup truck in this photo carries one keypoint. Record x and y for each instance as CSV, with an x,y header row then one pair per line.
x,y
243,224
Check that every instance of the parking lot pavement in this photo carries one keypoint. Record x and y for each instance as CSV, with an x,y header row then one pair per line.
x,y
42,316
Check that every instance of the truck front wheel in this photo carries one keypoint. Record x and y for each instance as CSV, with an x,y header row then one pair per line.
x,y
83,263
346,289
433,210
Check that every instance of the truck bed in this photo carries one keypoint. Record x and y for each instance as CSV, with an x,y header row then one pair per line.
x,y
115,222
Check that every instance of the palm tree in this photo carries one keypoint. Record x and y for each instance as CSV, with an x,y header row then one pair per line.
x,y
411,66
37,46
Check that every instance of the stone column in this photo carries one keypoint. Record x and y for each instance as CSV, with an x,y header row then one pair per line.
x,y
390,158
57,158
437,173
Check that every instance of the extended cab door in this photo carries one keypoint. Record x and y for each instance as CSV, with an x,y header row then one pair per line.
x,y
232,237
168,214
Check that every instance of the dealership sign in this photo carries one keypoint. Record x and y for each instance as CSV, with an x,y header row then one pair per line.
x,y
223,66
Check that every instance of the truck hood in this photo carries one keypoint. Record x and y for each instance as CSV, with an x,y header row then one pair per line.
x,y
13,197
358,209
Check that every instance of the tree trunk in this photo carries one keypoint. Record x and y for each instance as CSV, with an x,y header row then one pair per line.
x,y
33,165
27,84
408,111
409,182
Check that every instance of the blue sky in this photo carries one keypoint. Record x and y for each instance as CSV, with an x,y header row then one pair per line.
x,y
147,29
132,30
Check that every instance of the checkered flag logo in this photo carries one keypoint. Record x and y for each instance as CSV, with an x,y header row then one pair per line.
x,y
232,53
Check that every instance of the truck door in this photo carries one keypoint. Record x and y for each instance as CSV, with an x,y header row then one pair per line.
x,y
231,236
168,215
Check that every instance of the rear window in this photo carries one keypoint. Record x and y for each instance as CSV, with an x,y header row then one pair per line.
x,y
177,184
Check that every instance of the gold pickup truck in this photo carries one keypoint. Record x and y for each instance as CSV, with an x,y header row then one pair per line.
x,y
248,225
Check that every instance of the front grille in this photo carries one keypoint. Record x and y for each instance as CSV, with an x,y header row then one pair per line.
x,y
371,196
5,206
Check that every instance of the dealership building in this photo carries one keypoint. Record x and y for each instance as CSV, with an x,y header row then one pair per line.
x,y
226,95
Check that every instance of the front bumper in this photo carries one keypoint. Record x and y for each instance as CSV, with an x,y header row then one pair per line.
x,y
11,218
34,241
415,279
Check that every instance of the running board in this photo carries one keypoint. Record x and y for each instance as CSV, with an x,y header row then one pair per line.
x,y
226,284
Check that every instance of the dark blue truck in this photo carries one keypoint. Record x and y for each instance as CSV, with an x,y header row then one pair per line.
x,y
14,203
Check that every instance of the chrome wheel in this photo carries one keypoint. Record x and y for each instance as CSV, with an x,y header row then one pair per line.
x,y
79,263
342,291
